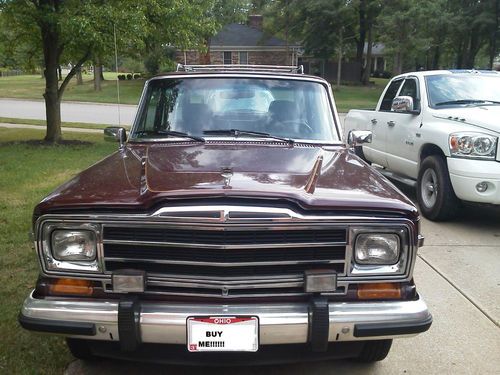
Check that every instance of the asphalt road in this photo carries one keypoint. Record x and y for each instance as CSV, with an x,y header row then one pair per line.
x,y
94,113
457,273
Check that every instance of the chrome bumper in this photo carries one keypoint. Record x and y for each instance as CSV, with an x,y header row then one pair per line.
x,y
285,323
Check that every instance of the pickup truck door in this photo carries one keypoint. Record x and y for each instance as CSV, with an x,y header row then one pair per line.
x,y
376,151
403,133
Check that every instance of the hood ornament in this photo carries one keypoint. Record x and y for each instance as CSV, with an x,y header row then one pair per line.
x,y
227,173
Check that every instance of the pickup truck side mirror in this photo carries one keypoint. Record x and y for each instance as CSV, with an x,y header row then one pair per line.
x,y
115,134
358,137
404,104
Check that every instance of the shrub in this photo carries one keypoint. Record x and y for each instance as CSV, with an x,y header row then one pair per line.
x,y
129,76
121,77
137,75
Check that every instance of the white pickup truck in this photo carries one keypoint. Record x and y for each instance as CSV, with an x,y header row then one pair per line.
x,y
439,129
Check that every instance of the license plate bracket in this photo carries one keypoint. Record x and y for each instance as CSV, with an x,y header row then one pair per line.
x,y
222,333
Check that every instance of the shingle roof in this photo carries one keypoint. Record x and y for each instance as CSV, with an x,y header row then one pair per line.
x,y
239,35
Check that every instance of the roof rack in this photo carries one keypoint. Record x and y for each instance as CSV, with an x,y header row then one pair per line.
x,y
238,67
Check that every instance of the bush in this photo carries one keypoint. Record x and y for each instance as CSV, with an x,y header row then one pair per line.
x,y
137,75
121,77
386,74
129,76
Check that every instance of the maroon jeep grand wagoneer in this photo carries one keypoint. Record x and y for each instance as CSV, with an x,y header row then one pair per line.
x,y
233,225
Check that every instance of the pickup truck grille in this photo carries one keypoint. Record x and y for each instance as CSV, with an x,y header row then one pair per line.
x,y
224,262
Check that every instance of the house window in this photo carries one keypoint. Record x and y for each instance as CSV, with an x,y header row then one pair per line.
x,y
244,57
228,59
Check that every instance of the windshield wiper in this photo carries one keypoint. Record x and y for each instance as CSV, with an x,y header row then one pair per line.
x,y
238,132
171,133
467,101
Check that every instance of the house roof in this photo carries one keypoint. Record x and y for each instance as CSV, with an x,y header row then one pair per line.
x,y
238,35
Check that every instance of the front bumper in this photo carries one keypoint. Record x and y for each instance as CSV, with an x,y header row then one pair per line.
x,y
284,323
466,174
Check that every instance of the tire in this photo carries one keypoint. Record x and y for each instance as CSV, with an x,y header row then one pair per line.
x,y
80,349
435,195
358,150
374,351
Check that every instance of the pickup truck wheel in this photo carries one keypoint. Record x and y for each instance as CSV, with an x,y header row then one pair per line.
x,y
435,195
80,349
374,351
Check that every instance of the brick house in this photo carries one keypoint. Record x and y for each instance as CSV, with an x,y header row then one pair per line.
x,y
243,44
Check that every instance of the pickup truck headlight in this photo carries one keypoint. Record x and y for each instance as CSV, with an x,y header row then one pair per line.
x,y
373,248
473,145
68,244
69,247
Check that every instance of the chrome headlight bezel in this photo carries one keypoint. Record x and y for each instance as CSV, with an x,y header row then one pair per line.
x,y
48,258
465,145
395,267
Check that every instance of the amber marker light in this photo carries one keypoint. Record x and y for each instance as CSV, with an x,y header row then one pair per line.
x,y
379,291
74,287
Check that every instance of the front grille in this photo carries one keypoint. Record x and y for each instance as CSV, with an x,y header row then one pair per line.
x,y
224,261
259,237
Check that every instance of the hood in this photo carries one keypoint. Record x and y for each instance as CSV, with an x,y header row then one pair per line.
x,y
485,117
319,178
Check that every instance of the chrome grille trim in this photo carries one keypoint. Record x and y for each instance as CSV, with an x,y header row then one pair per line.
x,y
221,264
223,247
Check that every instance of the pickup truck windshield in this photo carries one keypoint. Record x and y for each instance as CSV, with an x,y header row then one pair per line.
x,y
460,89
210,107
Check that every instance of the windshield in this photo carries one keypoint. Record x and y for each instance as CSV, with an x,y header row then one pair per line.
x,y
462,89
198,106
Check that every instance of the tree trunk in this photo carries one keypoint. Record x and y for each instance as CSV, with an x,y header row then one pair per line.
x,y
97,74
79,78
339,63
101,69
437,56
368,69
59,72
51,52
360,42
398,64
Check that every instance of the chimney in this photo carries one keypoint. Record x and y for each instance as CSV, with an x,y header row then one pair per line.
x,y
255,21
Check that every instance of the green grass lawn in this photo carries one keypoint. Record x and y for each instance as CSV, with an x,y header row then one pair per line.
x,y
33,86
359,97
27,174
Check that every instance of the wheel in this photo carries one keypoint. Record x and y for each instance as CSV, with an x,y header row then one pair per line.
x,y
80,349
358,150
435,195
374,351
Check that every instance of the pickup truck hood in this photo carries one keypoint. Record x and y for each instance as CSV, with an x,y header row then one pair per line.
x,y
484,116
313,177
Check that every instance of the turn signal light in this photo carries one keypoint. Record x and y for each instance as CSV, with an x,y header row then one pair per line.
x,y
75,287
379,291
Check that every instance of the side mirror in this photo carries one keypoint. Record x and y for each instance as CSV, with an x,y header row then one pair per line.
x,y
115,134
403,104
358,137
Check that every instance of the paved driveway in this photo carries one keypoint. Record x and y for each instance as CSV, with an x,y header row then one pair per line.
x,y
94,113
457,273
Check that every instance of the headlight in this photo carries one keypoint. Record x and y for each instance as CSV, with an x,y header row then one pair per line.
x,y
373,248
473,145
70,244
68,247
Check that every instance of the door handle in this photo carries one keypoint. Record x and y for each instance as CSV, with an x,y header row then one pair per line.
x,y
374,121
391,123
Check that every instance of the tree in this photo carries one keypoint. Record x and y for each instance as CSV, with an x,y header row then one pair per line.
x,y
67,30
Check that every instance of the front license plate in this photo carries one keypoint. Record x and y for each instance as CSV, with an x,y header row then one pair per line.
x,y
223,334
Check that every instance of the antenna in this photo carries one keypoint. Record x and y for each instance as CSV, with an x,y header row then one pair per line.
x,y
117,80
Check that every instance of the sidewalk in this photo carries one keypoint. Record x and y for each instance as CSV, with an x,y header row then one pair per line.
x,y
42,127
